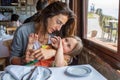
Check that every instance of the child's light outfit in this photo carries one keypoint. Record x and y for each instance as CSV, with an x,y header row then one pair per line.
x,y
46,63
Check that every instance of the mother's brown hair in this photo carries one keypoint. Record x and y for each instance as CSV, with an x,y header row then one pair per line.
x,y
54,9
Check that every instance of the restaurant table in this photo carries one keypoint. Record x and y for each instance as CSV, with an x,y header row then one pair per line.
x,y
3,49
58,73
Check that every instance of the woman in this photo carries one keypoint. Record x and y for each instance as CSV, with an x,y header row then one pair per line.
x,y
52,18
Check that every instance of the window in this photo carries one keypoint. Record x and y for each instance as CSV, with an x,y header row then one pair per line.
x,y
101,29
102,22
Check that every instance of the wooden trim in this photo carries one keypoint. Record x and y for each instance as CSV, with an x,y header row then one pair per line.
x,y
76,6
107,55
119,30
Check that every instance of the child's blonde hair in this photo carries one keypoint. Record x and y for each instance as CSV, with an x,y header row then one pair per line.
x,y
78,47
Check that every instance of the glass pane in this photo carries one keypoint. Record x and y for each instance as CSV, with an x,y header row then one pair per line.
x,y
102,22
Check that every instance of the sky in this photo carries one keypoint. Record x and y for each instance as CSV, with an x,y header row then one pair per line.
x,y
109,7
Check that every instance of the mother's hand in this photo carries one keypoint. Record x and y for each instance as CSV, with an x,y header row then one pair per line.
x,y
42,53
28,55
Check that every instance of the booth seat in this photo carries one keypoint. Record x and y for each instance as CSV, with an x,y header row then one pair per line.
x,y
88,57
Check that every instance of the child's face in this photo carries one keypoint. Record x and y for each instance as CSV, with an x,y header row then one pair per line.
x,y
68,44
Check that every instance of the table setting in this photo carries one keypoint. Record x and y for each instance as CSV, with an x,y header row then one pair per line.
x,y
76,72
15,72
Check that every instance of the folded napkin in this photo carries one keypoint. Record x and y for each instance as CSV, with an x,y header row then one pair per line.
x,y
17,72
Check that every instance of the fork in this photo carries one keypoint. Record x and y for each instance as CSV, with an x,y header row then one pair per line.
x,y
30,75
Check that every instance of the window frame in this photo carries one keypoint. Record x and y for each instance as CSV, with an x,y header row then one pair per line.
x,y
109,56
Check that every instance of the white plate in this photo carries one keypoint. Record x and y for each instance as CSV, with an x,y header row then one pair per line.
x,y
78,71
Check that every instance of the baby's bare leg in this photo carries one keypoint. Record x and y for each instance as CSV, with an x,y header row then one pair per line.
x,y
31,41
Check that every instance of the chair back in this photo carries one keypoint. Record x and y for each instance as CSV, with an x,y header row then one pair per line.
x,y
10,30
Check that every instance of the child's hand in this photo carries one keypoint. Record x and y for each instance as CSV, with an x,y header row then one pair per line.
x,y
55,41
32,38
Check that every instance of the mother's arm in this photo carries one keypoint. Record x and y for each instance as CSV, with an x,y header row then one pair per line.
x,y
43,54
16,52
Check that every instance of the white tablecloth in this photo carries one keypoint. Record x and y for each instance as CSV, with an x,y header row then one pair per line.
x,y
3,49
59,74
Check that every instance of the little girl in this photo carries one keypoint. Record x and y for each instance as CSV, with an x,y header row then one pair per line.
x,y
65,48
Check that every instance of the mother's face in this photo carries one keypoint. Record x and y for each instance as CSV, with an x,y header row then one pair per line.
x,y
55,23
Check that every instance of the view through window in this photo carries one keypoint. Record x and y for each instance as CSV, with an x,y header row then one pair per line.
x,y
102,19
